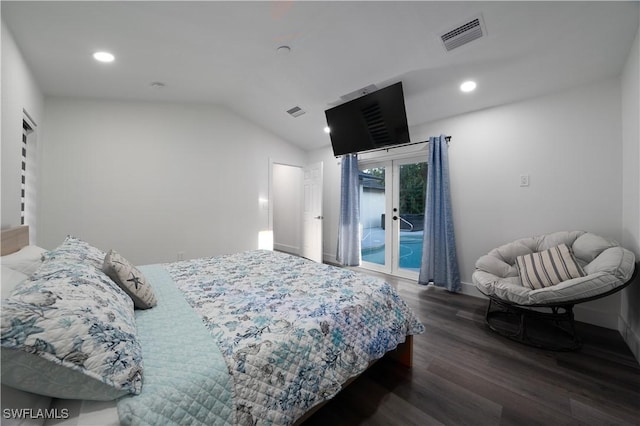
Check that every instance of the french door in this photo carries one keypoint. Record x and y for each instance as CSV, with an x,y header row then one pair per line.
x,y
392,201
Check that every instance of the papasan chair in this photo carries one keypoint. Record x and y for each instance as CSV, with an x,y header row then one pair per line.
x,y
533,284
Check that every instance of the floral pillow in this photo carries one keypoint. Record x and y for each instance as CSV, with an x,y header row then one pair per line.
x,y
70,334
75,249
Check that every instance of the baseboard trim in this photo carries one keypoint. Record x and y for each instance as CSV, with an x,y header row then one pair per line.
x,y
329,258
287,248
471,290
630,337
608,320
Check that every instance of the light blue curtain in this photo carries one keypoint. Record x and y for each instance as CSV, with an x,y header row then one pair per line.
x,y
349,222
439,259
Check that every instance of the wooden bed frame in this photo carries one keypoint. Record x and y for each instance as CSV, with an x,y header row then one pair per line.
x,y
399,354
13,239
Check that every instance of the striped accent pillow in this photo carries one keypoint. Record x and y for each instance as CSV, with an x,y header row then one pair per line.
x,y
549,267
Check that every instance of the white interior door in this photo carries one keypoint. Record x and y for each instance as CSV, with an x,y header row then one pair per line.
x,y
312,213
286,198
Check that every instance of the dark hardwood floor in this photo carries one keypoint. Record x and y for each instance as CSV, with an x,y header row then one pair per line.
x,y
464,374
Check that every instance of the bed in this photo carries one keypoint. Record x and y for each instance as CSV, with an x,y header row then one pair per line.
x,y
257,337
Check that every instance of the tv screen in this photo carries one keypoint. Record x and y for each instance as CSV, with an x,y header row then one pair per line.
x,y
375,120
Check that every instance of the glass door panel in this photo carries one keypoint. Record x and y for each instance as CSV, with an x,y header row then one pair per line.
x,y
373,205
392,199
411,178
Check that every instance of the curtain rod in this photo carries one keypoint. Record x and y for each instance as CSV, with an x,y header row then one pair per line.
x,y
447,138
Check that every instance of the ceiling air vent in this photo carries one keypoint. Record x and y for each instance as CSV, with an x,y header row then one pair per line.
x,y
465,33
295,111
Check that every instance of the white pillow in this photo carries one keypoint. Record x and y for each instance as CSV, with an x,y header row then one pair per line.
x,y
25,260
9,280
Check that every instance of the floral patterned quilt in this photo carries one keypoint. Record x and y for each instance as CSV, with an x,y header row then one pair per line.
x,y
291,331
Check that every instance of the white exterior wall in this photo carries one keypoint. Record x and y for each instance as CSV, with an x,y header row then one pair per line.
x,y
374,200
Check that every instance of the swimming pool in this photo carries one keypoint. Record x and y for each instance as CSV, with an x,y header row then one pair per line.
x,y
410,252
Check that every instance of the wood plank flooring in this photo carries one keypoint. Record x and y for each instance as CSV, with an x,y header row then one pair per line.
x,y
464,374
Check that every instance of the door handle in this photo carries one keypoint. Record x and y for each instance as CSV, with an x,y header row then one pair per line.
x,y
318,217
395,218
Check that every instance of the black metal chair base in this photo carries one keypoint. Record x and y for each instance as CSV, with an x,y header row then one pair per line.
x,y
551,328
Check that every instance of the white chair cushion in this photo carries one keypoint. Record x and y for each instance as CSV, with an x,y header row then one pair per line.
x,y
606,264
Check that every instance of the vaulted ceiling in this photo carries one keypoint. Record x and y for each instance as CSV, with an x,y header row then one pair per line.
x,y
226,53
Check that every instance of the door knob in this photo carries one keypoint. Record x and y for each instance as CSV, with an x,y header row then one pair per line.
x,y
319,217
395,218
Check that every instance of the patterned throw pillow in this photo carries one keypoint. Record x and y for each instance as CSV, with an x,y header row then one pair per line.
x,y
548,267
75,249
130,279
70,334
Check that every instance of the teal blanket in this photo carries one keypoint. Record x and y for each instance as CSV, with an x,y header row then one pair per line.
x,y
186,379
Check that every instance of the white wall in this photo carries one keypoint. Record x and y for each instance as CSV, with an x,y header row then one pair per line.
x,y
20,93
152,180
287,208
629,325
568,143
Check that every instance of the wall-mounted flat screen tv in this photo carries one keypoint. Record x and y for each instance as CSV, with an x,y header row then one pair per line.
x,y
375,120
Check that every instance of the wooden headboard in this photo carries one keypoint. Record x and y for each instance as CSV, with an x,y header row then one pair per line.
x,y
13,239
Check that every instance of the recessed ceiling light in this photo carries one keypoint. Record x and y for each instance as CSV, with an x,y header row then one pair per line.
x,y
103,57
327,129
468,86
